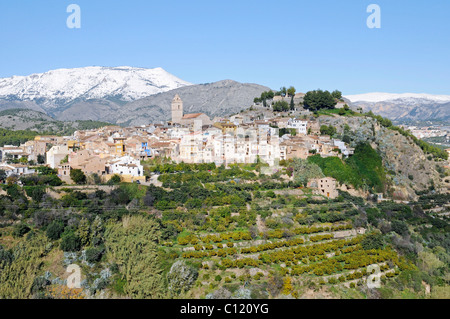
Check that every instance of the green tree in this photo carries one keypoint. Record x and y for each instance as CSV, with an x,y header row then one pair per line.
x,y
336,94
291,91
41,159
70,242
400,227
46,171
2,175
20,230
78,176
115,179
372,241
318,99
280,106
327,130
54,230
83,232
304,171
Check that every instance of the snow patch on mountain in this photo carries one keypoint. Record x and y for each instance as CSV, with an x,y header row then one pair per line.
x,y
377,97
125,83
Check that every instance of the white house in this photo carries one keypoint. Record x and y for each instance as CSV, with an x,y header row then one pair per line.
x,y
300,126
346,151
18,170
126,165
14,151
56,154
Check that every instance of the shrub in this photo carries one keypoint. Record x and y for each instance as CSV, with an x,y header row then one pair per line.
x,y
70,242
54,230
115,179
78,176
332,281
372,241
400,227
20,230
94,254
181,277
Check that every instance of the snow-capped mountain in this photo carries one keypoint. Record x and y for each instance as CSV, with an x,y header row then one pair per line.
x,y
404,107
66,85
123,95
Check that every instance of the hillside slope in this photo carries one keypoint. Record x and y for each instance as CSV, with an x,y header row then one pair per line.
x,y
215,99
409,169
29,120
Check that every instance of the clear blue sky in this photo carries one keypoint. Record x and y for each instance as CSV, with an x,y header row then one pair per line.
x,y
309,44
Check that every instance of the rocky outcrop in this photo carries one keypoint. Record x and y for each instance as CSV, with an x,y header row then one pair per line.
x,y
408,168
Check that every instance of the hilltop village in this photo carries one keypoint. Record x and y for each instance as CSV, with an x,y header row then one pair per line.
x,y
246,138
286,199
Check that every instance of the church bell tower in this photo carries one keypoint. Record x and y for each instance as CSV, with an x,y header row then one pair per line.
x,y
177,109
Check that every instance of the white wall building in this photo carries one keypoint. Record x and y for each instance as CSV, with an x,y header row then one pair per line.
x,y
347,151
229,148
300,126
18,170
56,154
126,165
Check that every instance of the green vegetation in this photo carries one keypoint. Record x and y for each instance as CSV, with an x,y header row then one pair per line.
x,y
132,245
426,147
17,137
9,137
205,231
78,176
362,170
281,106
327,130
318,99
346,111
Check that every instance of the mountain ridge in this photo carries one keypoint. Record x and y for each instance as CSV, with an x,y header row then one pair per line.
x,y
405,107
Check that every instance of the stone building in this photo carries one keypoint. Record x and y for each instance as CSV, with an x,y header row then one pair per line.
x,y
326,186
196,119
177,109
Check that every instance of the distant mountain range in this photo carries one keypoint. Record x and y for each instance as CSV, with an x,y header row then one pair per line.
x,y
136,96
122,95
408,107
